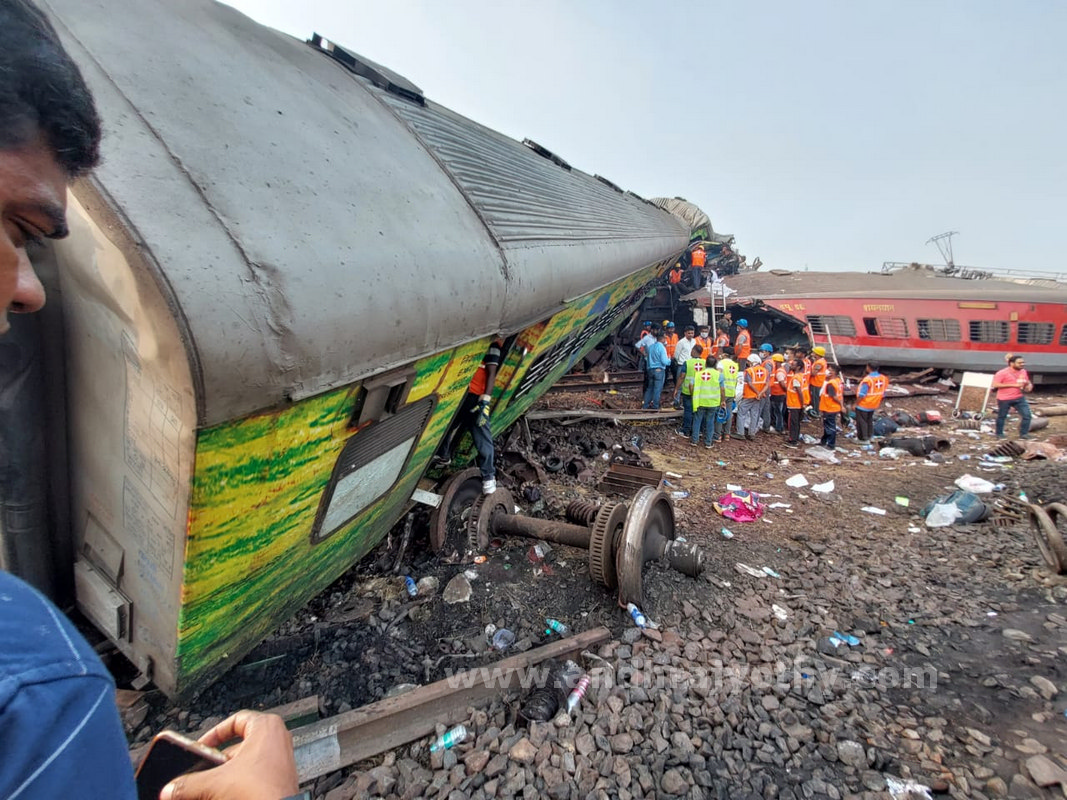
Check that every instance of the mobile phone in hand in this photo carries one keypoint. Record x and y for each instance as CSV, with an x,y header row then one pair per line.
x,y
169,755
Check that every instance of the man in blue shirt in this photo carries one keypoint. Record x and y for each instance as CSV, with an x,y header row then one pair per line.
x,y
60,734
657,371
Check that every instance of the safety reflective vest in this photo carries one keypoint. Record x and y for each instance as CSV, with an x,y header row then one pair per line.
x,y
675,276
778,377
756,383
797,397
876,386
699,258
721,341
743,344
692,365
818,372
807,369
729,373
827,404
705,342
706,390
670,342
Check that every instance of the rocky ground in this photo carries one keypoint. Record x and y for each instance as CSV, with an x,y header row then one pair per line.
x,y
956,679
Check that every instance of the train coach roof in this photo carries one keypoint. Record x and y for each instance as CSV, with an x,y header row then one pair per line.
x,y
312,228
874,285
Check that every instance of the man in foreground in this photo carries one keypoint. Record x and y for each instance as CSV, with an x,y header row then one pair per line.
x,y
1010,384
60,734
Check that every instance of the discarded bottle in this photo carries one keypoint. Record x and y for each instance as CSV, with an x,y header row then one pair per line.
x,y
409,582
1000,487
449,738
680,495
556,626
727,533
577,694
1023,497
635,614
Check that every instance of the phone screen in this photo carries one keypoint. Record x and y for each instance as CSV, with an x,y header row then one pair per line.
x,y
170,755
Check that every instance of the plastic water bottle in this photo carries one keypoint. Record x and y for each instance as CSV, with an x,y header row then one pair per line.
x,y
449,738
635,614
503,639
1023,497
556,626
409,583
576,695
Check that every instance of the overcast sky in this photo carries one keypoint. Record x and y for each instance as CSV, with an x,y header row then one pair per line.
x,y
826,135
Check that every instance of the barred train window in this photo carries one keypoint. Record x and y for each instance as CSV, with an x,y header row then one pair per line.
x,y
993,331
1035,333
1063,336
835,325
939,330
889,327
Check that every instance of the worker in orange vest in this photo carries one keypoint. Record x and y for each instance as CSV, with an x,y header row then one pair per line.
x,y
778,373
830,404
675,275
704,340
797,395
699,257
743,342
722,341
756,387
818,373
869,396
766,353
670,342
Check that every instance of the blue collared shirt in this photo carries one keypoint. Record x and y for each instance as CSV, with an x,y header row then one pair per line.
x,y
657,356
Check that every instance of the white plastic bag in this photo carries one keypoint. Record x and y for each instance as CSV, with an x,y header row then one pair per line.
x,y
823,454
942,515
892,452
970,483
797,481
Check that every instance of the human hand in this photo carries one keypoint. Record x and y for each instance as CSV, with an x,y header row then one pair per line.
x,y
261,767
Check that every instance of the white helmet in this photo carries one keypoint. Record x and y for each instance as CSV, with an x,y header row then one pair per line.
x,y
754,359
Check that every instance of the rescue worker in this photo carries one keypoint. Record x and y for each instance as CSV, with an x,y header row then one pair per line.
x,y
869,396
830,405
657,370
670,342
708,395
743,342
697,260
682,351
674,277
755,388
797,395
722,341
818,373
473,418
692,365
766,351
704,340
642,345
729,369
778,383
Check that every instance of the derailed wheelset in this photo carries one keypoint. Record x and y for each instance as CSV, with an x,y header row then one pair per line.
x,y
1046,523
620,538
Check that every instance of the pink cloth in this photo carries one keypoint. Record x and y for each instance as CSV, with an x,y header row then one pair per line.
x,y
1009,375
740,506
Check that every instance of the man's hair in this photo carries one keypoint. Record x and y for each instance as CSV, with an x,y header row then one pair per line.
x,y
728,350
698,350
1014,358
872,366
42,91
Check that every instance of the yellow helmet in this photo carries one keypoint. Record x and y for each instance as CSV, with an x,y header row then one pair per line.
x,y
819,351
778,358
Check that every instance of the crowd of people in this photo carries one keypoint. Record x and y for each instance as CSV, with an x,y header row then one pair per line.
x,y
730,387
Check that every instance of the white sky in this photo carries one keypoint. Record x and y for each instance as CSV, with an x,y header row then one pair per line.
x,y
823,134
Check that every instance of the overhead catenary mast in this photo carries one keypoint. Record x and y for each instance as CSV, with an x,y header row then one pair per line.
x,y
943,241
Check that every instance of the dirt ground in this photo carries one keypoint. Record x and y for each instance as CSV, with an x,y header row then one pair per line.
x,y
940,598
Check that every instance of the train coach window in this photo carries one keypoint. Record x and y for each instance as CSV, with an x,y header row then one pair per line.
x,y
835,325
369,466
890,327
1035,332
992,331
939,330
1063,337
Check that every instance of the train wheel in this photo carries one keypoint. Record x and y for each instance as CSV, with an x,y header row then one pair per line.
x,y
448,522
1047,535
1057,514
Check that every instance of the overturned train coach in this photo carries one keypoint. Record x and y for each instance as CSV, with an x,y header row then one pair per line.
x,y
277,289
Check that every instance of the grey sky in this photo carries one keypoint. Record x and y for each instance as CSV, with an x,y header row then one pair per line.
x,y
832,135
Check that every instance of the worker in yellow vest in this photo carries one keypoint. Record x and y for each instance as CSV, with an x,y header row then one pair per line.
x,y
830,405
693,364
708,396
729,369
869,396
